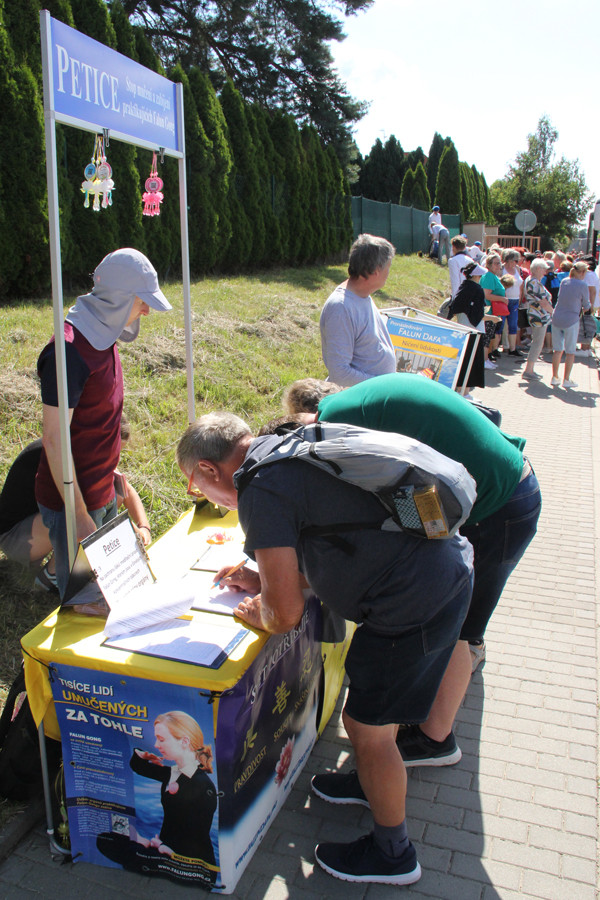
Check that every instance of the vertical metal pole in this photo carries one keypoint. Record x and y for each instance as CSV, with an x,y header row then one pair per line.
x,y
57,298
185,260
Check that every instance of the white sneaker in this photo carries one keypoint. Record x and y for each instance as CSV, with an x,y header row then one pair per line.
x,y
554,381
583,353
488,364
569,384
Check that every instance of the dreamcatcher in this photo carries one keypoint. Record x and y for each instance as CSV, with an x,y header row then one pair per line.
x,y
153,196
98,178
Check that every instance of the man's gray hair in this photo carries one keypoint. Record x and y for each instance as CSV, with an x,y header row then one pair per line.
x,y
213,437
368,254
306,394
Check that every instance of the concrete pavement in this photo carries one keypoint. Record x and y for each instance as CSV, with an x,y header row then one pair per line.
x,y
518,816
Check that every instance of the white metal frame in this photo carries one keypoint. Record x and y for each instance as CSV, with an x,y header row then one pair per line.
x,y
51,117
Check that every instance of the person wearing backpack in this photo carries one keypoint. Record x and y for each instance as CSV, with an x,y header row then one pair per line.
x,y
404,592
502,523
457,263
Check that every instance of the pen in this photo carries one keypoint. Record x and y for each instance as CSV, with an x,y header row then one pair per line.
x,y
231,571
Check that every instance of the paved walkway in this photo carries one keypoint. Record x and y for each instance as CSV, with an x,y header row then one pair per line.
x,y
518,816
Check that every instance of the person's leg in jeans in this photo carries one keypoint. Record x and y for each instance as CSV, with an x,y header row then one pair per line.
x,y
512,323
498,542
55,522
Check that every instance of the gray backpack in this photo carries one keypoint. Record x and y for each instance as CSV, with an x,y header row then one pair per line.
x,y
424,492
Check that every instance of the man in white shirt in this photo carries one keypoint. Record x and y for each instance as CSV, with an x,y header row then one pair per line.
x,y
435,218
442,236
593,283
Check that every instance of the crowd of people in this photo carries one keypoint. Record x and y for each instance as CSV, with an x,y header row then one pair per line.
x,y
421,606
532,303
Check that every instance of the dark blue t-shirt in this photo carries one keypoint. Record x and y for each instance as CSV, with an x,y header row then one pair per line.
x,y
391,580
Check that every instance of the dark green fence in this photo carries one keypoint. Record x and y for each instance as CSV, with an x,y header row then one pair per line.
x,y
404,226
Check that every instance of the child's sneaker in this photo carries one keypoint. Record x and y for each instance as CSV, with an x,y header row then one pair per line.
x,y
46,581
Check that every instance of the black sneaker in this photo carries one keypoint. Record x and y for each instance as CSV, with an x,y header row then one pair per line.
x,y
494,355
516,353
44,581
363,860
417,749
336,787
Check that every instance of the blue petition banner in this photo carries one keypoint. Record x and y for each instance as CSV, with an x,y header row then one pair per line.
x,y
100,88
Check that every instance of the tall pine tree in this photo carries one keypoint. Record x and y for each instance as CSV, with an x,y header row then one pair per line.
x,y
383,171
435,154
211,115
447,189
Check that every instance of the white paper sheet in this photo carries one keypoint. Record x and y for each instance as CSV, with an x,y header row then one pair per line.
x,y
119,562
185,640
150,605
213,599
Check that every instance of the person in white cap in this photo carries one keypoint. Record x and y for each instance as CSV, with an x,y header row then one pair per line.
x,y
435,218
475,252
125,288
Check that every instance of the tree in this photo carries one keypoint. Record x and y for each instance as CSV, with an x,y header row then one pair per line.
x,y
339,205
555,190
435,154
408,188
414,189
415,157
276,54
447,189
383,171
422,200
211,115
202,216
468,192
248,226
478,180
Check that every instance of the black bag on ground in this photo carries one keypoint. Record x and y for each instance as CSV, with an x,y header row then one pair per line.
x,y
20,761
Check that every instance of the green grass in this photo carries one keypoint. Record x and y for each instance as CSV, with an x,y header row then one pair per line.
x,y
252,335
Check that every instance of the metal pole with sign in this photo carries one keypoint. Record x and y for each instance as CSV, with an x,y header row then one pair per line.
x,y
114,95
89,86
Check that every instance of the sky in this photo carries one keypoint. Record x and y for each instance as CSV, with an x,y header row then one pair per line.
x,y
483,75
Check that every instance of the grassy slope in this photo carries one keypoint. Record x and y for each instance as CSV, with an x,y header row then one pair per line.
x,y
252,335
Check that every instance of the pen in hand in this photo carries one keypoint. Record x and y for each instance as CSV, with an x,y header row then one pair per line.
x,y
230,572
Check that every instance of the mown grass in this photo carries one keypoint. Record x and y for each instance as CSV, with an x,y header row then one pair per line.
x,y
252,335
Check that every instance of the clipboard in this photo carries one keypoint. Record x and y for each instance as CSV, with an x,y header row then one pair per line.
x,y
86,584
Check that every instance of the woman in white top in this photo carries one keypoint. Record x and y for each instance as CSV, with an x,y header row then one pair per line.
x,y
510,259
457,263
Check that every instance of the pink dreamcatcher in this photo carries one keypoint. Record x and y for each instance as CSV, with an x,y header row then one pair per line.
x,y
153,195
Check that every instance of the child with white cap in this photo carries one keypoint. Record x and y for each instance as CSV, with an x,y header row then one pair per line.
x,y
125,288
